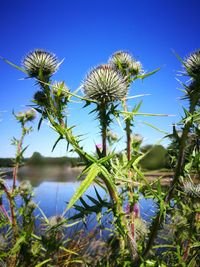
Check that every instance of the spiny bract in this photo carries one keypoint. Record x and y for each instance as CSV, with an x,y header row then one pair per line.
x,y
40,62
104,84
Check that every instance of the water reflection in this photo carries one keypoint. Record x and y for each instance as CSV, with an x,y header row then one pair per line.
x,y
38,174
54,186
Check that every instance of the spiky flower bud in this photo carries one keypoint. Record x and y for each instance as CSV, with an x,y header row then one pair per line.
x,y
125,63
40,98
20,116
192,65
31,205
136,138
112,136
54,220
60,89
26,116
104,84
25,188
30,114
40,62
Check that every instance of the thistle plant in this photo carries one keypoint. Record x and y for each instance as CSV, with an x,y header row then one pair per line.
x,y
129,68
105,85
191,69
23,118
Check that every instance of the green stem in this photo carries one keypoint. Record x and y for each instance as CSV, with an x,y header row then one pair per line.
x,y
19,148
104,126
12,211
128,138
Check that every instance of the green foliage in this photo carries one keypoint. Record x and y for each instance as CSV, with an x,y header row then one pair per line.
x,y
132,242
155,159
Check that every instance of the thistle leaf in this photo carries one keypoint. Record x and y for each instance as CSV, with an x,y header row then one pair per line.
x,y
154,127
57,141
13,65
143,76
93,172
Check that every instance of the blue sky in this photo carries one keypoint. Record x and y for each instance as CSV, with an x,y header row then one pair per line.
x,y
86,33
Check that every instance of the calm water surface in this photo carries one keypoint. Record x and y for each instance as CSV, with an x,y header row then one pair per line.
x,y
55,186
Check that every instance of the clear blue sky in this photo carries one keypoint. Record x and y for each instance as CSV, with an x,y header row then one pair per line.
x,y
86,33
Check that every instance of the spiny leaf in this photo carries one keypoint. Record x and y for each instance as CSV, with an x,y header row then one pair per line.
x,y
143,76
40,123
145,114
137,107
105,159
93,172
136,96
13,65
94,201
59,138
84,203
154,127
98,196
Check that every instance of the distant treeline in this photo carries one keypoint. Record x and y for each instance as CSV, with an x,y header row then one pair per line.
x,y
38,159
157,157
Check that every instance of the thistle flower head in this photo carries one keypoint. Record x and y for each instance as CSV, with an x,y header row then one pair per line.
x,y
136,138
40,62
26,116
31,205
30,114
56,223
20,116
191,189
104,84
112,136
54,220
60,89
25,188
125,63
192,65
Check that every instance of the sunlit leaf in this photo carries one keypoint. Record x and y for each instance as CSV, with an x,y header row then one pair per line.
x,y
92,174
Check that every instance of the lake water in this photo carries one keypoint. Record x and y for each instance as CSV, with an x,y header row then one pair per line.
x,y
54,187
